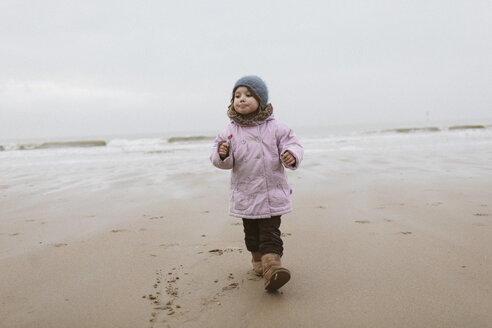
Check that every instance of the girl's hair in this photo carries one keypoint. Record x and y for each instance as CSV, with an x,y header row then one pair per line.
x,y
258,99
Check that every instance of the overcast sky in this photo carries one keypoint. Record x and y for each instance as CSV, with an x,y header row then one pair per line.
x,y
83,68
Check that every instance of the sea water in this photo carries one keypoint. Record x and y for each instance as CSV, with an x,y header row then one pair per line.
x,y
99,163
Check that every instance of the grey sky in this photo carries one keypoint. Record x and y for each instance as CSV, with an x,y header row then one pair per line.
x,y
82,68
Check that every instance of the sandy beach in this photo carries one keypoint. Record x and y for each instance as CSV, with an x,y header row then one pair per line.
x,y
379,237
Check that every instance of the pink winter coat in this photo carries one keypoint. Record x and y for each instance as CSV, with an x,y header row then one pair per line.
x,y
259,187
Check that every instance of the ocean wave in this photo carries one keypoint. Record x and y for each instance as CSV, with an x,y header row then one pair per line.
x,y
124,144
141,143
71,144
189,139
466,127
412,130
160,151
26,146
54,145
435,129
172,144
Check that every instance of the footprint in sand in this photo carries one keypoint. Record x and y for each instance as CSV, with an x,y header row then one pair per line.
x,y
231,286
226,250
255,277
171,289
119,230
169,245
156,218
216,251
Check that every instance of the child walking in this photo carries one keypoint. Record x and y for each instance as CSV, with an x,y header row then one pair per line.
x,y
257,148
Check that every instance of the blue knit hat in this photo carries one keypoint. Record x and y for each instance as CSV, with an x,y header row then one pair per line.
x,y
257,85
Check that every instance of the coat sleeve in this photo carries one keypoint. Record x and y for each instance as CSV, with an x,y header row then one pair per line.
x,y
287,140
228,162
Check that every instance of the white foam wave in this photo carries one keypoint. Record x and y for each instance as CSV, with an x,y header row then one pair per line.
x,y
144,144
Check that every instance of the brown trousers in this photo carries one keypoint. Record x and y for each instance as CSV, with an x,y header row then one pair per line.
x,y
263,235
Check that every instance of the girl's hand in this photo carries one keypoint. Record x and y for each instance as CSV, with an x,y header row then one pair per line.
x,y
288,159
224,150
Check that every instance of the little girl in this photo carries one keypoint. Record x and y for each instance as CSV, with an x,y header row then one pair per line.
x,y
257,148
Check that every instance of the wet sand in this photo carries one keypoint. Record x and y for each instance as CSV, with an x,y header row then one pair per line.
x,y
377,239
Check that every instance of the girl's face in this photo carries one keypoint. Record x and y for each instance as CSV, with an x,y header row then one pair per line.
x,y
244,101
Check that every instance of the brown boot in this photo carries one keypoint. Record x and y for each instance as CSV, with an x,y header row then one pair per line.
x,y
275,275
256,260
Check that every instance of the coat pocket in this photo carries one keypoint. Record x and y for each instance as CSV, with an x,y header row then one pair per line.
x,y
279,196
241,198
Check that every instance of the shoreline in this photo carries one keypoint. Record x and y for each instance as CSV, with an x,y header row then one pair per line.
x,y
377,238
